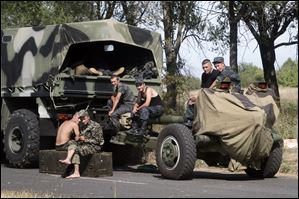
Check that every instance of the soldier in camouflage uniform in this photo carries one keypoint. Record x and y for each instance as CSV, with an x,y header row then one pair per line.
x,y
90,141
227,72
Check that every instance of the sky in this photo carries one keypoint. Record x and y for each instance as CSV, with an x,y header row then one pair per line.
x,y
249,54
248,50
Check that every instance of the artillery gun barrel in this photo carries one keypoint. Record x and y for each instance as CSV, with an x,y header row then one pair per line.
x,y
167,119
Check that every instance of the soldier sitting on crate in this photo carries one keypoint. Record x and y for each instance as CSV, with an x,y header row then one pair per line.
x,y
148,105
90,141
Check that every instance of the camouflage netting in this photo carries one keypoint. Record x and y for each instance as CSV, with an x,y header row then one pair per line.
x,y
240,124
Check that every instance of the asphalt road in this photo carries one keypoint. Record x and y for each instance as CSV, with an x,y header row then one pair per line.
x,y
139,185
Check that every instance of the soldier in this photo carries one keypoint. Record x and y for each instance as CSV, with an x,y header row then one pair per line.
x,y
121,101
90,141
83,70
209,75
148,105
208,78
65,131
227,72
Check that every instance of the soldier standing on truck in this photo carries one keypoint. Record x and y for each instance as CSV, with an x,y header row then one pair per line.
x,y
148,105
65,131
121,101
90,141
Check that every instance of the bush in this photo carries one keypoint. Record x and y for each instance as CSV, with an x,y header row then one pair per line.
x,y
287,122
288,74
249,73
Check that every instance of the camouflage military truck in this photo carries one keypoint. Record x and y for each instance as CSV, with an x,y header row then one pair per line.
x,y
230,130
45,78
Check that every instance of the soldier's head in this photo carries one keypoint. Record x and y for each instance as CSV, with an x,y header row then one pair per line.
x,y
76,117
139,83
206,66
84,116
114,80
219,63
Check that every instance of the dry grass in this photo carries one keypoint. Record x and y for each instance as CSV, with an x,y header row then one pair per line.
x,y
288,94
287,122
24,194
290,161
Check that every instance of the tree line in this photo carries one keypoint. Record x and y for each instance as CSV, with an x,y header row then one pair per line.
x,y
180,21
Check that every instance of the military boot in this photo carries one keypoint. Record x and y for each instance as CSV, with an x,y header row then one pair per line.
x,y
143,128
95,72
134,129
119,71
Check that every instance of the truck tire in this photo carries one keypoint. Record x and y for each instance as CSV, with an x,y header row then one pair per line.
x,y
22,139
271,165
176,152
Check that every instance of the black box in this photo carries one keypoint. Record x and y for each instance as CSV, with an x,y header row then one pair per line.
x,y
95,165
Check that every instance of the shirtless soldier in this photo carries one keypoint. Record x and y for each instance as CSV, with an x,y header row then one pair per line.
x,y
65,131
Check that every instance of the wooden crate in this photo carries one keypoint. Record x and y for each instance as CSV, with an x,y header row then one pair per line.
x,y
95,165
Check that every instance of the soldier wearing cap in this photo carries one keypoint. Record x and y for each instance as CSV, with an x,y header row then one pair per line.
x,y
148,105
90,141
227,72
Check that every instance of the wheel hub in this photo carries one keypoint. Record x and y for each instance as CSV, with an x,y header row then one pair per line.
x,y
170,152
15,140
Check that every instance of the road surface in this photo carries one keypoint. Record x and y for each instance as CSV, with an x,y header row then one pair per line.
x,y
139,185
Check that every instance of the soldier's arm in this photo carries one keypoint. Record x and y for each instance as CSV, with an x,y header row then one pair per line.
x,y
137,103
115,102
148,98
96,136
213,84
77,132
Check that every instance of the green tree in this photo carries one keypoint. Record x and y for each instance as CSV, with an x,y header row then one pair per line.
x,y
181,20
229,16
288,74
267,21
249,74
24,13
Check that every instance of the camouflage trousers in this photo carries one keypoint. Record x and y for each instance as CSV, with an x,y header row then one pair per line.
x,y
82,149
115,116
70,145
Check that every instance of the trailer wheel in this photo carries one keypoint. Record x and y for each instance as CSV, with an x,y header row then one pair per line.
x,y
22,139
176,152
271,165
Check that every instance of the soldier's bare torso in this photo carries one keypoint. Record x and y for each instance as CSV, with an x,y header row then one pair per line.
x,y
65,131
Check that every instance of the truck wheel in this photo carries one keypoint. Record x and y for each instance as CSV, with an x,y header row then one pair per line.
x,y
176,152
22,139
271,165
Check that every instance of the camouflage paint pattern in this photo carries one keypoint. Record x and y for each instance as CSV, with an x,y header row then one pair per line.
x,y
31,55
